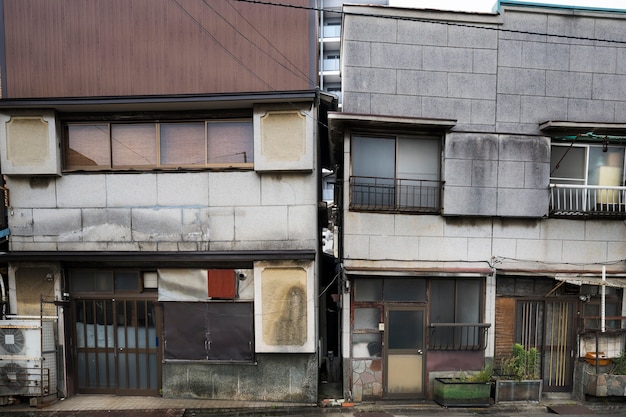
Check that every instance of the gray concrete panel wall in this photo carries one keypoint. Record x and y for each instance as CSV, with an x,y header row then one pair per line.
x,y
496,175
517,70
285,377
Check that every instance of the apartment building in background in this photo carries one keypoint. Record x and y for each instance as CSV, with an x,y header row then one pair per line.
x,y
162,165
481,193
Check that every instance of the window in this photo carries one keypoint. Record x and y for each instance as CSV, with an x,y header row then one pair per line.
x,y
395,173
105,281
456,314
592,307
164,145
587,179
208,331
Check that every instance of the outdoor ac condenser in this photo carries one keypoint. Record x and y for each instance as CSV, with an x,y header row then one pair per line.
x,y
27,358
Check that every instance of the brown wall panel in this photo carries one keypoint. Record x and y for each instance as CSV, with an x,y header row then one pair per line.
x,y
505,329
77,48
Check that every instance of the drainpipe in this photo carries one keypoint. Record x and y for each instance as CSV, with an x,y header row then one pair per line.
x,y
4,301
603,301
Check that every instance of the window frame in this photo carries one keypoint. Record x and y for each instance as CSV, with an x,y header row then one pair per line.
x,y
581,194
400,190
159,146
458,330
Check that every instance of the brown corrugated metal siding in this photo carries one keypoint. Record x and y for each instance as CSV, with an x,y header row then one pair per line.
x,y
80,48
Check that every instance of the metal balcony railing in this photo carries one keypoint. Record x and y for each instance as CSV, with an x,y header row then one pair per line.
x,y
587,200
458,336
395,194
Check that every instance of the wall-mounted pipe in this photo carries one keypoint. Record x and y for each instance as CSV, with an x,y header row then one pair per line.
x,y
603,300
4,300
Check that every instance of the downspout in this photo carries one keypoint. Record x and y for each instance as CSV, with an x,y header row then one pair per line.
x,y
603,301
4,301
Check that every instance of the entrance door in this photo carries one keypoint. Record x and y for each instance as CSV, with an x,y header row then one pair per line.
x,y
404,350
549,326
116,346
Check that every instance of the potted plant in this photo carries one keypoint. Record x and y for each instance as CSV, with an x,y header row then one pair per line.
x,y
519,378
466,390
610,381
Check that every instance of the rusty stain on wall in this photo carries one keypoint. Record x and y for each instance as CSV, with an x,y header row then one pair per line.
x,y
31,284
284,306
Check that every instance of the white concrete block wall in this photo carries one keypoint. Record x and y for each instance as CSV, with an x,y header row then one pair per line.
x,y
410,241
164,211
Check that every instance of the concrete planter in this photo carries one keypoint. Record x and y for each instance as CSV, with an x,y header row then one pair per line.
x,y
514,390
604,385
452,392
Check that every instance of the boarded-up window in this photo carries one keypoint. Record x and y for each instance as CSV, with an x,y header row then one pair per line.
x,y
208,331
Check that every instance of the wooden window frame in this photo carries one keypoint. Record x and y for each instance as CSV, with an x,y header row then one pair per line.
x,y
247,155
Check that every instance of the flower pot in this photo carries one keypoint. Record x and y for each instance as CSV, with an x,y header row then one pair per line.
x,y
514,390
454,392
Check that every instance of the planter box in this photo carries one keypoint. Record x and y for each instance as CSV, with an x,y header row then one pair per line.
x,y
513,390
451,392
604,385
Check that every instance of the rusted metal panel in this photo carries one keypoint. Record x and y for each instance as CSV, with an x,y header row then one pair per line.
x,y
505,328
221,283
79,48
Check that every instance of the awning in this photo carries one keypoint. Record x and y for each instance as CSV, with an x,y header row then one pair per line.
x,y
576,279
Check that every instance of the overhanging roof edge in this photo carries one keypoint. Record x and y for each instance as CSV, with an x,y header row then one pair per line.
x,y
159,257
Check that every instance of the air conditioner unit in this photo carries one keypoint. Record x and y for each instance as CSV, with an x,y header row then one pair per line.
x,y
27,358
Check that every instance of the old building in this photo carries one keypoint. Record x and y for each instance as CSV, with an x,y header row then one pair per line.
x,y
162,166
481,179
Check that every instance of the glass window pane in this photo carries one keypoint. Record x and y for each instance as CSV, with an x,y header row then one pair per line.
x,y
418,158
405,329
606,168
103,281
134,145
373,171
82,281
182,144
127,281
366,345
468,301
442,300
230,142
405,289
373,157
368,289
366,318
87,146
567,164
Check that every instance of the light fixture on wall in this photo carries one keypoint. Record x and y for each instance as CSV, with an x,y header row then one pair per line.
x,y
49,277
584,298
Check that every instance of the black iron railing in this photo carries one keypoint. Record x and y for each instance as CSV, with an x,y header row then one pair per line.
x,y
458,336
395,194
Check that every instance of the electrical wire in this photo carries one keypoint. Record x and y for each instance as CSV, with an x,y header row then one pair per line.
x,y
433,21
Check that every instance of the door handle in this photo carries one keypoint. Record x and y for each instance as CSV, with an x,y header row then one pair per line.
x,y
420,352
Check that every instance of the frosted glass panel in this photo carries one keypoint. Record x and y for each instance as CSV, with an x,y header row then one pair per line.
x,y
418,159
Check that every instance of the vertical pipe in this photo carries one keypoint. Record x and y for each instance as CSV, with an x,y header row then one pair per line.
x,y
603,303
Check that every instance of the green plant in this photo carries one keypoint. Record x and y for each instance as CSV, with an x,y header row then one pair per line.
x,y
523,363
619,364
484,375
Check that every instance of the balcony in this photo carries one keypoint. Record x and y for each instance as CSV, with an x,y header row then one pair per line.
x,y
395,195
587,201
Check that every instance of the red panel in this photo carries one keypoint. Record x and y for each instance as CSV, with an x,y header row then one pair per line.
x,y
222,283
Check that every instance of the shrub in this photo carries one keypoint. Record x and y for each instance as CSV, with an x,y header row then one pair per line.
x,y
523,363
